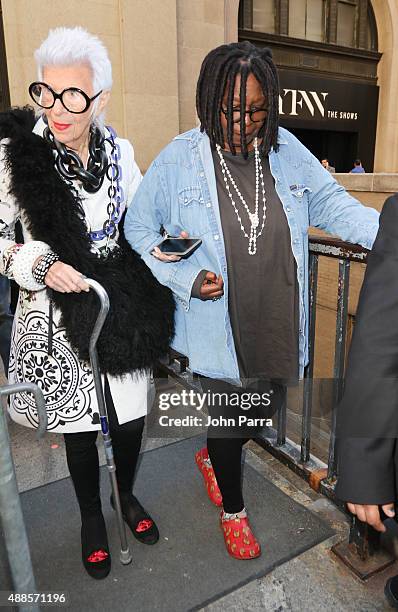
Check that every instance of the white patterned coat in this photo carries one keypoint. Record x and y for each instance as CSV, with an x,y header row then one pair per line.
x,y
66,382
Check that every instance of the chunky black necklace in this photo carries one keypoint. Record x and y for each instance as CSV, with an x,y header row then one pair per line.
x,y
70,166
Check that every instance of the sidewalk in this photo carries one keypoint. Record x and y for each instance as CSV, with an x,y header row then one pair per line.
x,y
315,580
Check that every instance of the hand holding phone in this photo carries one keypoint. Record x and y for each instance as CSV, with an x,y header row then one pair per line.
x,y
183,247
168,258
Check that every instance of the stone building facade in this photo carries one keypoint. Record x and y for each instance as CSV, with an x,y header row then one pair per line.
x,y
156,48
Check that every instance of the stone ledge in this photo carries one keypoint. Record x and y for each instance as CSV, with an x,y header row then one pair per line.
x,y
377,182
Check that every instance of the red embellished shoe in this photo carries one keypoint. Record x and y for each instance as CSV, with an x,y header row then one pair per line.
x,y
95,549
209,476
239,538
142,526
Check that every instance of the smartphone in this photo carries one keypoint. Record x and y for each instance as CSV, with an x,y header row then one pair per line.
x,y
183,247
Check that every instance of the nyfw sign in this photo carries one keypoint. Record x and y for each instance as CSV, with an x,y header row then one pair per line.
x,y
312,104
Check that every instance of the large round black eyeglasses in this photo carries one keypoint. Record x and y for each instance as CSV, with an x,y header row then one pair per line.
x,y
72,99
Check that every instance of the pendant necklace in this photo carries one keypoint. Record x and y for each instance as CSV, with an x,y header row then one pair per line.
x,y
254,218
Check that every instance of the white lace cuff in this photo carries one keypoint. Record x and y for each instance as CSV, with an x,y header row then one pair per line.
x,y
23,263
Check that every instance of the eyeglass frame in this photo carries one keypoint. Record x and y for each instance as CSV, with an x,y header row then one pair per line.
x,y
58,96
246,112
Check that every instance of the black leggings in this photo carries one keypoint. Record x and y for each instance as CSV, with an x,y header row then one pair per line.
x,y
225,444
226,458
83,464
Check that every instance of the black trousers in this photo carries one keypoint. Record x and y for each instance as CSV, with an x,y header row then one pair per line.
x,y
225,442
83,464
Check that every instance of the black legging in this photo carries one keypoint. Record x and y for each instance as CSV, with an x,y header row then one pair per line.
x,y
225,445
226,458
83,464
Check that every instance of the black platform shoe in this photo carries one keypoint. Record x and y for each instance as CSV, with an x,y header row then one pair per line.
x,y
141,524
95,549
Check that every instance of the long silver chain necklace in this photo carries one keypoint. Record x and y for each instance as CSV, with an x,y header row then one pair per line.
x,y
253,216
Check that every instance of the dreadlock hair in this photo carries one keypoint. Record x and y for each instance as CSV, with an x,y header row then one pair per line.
x,y
219,70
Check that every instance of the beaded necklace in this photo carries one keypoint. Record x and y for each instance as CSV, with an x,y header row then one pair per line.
x,y
253,216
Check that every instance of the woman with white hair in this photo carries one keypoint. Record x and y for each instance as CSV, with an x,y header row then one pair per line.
x,y
68,180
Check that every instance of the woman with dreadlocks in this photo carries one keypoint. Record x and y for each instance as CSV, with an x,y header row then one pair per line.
x,y
249,190
68,179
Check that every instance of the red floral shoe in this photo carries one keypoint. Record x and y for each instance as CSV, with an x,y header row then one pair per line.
x,y
209,477
239,538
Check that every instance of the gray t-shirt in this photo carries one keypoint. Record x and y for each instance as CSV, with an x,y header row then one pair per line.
x,y
263,288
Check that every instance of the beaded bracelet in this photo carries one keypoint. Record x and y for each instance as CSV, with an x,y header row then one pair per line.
x,y
23,262
40,270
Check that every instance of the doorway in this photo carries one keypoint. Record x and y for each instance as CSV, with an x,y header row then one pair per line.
x,y
340,148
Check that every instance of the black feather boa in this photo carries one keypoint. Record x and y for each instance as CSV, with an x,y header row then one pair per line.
x,y
140,324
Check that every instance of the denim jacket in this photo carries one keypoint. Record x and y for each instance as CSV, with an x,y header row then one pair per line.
x,y
179,193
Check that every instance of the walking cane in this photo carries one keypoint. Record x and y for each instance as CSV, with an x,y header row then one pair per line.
x,y
125,555
11,516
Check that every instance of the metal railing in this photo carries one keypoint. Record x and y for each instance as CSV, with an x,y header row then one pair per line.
x,y
11,516
300,458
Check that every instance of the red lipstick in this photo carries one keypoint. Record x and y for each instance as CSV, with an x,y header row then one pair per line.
x,y
61,126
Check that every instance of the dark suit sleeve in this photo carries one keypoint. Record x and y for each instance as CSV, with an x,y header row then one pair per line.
x,y
367,420
366,470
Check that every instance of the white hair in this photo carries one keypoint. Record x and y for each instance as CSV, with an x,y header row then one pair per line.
x,y
68,46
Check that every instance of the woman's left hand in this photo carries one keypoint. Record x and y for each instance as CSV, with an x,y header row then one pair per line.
x,y
168,258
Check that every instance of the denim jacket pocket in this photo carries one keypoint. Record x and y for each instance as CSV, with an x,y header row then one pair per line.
x,y
298,191
193,211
